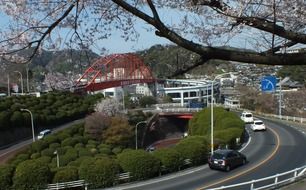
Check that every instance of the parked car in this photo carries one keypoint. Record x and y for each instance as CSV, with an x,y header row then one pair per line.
x,y
247,117
43,133
226,159
258,125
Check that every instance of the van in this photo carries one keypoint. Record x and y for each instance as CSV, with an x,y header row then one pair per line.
x,y
247,117
43,133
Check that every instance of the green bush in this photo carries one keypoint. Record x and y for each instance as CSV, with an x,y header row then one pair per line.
x,y
105,150
6,174
92,142
39,145
99,173
139,163
84,152
79,145
62,136
66,174
79,161
69,142
69,156
55,145
227,125
35,155
170,158
117,150
44,159
80,139
31,174
194,148
50,139
48,152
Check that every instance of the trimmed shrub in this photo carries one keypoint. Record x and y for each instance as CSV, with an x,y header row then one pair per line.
x,y
44,159
6,174
99,173
194,148
117,150
31,174
79,161
79,145
66,174
39,145
35,155
83,152
69,142
69,156
92,142
139,163
51,139
48,152
105,150
55,145
62,136
170,158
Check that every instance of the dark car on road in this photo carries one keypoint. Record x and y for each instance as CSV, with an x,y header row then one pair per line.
x,y
226,159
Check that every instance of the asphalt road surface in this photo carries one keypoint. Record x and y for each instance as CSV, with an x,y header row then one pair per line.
x,y
279,149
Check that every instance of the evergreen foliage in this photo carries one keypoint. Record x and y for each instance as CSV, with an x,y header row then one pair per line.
x,y
139,163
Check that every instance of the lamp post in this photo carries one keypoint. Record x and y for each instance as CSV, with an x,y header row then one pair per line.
x,y
136,145
28,87
57,158
21,81
8,85
32,123
212,110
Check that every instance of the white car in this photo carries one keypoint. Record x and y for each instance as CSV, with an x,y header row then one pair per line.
x,y
43,133
258,125
247,117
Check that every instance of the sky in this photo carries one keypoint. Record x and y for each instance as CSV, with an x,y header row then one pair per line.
x,y
115,43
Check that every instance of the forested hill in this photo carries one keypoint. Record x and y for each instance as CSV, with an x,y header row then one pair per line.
x,y
162,59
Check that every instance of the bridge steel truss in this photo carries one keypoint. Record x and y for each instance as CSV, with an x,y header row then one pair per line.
x,y
115,70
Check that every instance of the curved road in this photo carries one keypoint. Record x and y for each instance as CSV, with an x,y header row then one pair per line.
x,y
279,149
7,153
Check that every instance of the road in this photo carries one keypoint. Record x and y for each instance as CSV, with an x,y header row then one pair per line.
x,y
7,153
280,148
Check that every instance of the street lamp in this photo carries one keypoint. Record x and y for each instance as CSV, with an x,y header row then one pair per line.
x,y
21,81
212,110
8,85
33,133
57,158
136,132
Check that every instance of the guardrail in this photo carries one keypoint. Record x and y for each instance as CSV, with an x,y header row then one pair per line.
x,y
269,182
281,117
65,185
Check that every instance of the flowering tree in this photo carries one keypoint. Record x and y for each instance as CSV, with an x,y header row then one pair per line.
x,y
109,106
205,27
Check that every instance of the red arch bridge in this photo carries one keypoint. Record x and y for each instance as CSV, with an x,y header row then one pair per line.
x,y
113,71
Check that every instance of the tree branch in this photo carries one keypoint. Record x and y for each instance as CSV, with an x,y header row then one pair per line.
x,y
212,52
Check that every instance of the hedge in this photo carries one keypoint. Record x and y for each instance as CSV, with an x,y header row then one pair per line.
x,y
6,174
31,174
194,148
66,174
170,158
139,163
99,173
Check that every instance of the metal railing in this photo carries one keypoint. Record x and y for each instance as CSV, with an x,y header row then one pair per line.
x,y
269,182
65,185
281,117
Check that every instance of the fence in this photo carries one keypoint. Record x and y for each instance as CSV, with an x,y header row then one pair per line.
x,y
70,184
269,182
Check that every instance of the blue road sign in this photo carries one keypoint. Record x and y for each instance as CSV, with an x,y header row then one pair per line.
x,y
268,84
